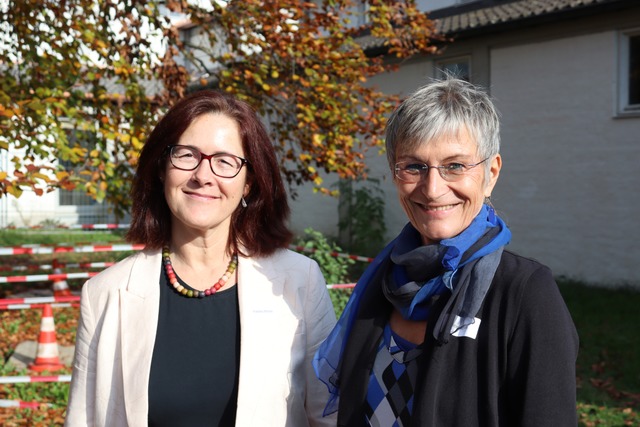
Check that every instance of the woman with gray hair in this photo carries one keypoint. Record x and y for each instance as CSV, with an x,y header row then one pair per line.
x,y
446,327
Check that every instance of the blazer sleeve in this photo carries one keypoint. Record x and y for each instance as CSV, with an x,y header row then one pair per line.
x,y
81,410
320,319
543,348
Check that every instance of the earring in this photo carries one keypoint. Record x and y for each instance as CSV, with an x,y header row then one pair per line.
x,y
243,202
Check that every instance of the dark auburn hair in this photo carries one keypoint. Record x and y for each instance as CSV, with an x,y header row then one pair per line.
x,y
260,228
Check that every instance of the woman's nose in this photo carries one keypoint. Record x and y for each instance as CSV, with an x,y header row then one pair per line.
x,y
203,173
432,184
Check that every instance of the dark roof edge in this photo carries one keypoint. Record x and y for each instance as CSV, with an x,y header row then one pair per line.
x,y
556,15
459,9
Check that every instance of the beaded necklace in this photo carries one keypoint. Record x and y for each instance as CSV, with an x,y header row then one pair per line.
x,y
173,280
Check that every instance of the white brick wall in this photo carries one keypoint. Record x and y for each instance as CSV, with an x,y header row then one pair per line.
x,y
569,187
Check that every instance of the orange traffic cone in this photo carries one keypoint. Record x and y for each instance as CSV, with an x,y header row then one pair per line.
x,y
60,287
47,356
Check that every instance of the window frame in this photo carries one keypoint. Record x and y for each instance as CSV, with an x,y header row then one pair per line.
x,y
624,108
442,62
78,196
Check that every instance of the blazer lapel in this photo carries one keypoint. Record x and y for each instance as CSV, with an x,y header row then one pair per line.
x,y
260,289
139,302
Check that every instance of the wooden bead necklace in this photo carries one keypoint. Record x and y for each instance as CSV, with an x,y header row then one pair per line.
x,y
173,280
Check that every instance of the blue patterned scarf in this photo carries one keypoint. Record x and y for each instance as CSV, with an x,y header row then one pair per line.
x,y
418,273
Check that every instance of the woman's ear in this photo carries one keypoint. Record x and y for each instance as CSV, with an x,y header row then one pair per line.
x,y
494,173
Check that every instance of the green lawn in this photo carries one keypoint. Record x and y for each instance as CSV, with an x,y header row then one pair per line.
x,y
608,364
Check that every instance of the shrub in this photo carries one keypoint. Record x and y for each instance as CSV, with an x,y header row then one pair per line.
x,y
334,269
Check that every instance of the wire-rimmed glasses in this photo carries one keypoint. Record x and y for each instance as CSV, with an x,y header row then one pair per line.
x,y
187,158
412,171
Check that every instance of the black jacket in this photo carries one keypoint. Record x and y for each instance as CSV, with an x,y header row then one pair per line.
x,y
518,371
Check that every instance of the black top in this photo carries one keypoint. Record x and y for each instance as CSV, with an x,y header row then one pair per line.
x,y
195,364
518,371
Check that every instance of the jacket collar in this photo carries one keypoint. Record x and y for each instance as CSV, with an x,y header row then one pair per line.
x,y
259,281
140,303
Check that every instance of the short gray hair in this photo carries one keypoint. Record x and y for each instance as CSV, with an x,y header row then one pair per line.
x,y
443,107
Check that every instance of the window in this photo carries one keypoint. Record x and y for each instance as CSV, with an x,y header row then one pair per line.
x,y
634,70
459,67
361,13
629,73
77,197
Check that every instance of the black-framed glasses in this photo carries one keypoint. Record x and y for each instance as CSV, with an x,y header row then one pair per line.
x,y
187,158
412,171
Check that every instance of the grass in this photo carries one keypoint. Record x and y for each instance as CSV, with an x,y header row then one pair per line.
x,y
608,366
57,236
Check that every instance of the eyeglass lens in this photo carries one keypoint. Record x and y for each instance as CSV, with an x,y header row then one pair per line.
x,y
222,164
415,171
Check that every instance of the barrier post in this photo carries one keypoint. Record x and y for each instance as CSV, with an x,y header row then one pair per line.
x,y
60,287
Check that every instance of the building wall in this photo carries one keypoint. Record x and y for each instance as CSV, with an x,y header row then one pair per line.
x,y
438,4
568,188
569,185
314,210
30,210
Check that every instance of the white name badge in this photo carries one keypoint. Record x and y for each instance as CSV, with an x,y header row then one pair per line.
x,y
465,327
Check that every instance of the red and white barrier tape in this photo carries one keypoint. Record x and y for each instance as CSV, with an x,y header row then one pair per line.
x,y
99,226
39,300
333,254
341,286
39,250
48,277
75,227
36,267
36,379
67,244
5,403
31,306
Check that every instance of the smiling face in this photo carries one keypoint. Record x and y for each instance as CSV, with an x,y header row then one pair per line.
x,y
439,209
201,202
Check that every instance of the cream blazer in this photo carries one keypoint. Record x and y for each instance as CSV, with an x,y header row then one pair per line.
x,y
285,313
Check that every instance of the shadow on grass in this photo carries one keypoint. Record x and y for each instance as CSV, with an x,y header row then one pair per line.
x,y
608,365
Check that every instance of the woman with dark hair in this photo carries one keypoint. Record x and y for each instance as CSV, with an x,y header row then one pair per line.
x,y
215,322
